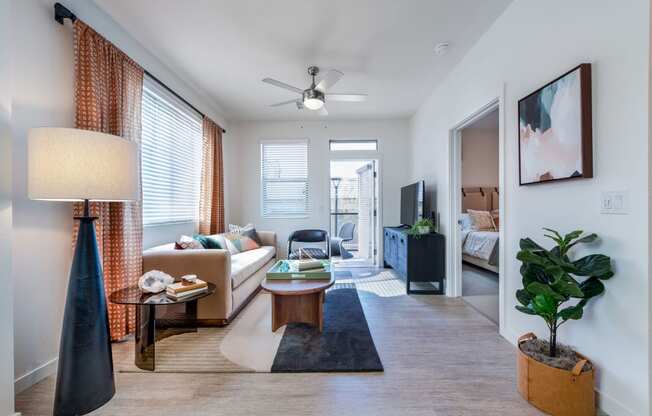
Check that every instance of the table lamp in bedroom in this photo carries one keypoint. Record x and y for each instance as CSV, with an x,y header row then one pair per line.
x,y
82,165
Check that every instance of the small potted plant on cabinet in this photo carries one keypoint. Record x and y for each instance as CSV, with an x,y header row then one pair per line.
x,y
551,376
421,227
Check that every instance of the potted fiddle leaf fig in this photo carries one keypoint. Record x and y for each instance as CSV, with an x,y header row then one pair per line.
x,y
557,288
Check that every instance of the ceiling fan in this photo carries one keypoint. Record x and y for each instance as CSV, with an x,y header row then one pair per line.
x,y
314,97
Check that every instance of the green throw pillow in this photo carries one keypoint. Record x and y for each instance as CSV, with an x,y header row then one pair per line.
x,y
207,241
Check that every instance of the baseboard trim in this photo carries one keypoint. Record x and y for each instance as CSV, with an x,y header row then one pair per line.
x,y
610,406
30,378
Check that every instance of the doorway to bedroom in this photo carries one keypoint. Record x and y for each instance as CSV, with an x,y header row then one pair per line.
x,y
354,212
479,214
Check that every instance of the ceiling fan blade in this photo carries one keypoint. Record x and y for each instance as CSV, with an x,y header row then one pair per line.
x,y
285,103
323,112
351,98
329,79
282,85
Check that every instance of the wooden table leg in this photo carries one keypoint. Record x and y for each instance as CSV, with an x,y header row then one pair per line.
x,y
145,337
307,309
320,311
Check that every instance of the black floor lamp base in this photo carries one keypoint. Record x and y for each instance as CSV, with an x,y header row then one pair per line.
x,y
85,375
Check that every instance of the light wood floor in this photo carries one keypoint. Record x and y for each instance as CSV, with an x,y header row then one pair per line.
x,y
441,357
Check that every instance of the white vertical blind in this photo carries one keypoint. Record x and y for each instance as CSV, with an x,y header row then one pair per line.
x,y
171,157
284,178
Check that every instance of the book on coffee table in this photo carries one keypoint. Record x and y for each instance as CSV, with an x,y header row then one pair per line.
x,y
300,270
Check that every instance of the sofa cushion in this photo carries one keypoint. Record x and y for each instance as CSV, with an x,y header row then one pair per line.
x,y
245,264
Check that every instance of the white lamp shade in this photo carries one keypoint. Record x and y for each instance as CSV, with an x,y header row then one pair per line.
x,y
73,165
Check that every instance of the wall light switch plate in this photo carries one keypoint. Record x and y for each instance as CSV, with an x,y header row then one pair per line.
x,y
614,202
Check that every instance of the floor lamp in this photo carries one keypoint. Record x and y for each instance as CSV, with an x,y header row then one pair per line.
x,y
82,165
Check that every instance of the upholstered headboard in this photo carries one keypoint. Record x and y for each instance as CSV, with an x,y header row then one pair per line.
x,y
479,198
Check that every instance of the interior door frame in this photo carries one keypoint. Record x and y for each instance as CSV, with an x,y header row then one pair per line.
x,y
364,157
454,288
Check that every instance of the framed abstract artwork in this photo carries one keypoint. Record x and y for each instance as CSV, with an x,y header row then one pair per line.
x,y
555,138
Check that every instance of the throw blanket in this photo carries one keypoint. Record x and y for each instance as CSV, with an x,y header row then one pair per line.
x,y
481,244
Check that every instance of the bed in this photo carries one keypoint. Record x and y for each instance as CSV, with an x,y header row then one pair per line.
x,y
480,248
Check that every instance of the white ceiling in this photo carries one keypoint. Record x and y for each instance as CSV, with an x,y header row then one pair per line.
x,y
384,47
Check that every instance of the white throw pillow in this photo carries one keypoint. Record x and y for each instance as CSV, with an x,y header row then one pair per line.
x,y
236,229
187,243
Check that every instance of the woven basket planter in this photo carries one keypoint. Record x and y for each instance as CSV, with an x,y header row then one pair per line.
x,y
555,391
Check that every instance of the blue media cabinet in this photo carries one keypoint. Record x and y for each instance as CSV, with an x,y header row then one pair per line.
x,y
417,260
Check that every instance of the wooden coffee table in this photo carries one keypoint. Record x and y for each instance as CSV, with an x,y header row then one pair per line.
x,y
298,301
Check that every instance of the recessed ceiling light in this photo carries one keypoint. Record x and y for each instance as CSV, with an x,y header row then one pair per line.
x,y
442,48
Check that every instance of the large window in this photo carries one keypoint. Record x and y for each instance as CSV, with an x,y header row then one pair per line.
x,y
284,178
171,157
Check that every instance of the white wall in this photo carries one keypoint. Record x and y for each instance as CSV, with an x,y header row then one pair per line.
x,y
393,155
42,61
479,157
529,45
6,281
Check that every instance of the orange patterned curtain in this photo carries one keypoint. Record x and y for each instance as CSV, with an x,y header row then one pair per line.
x,y
108,94
211,197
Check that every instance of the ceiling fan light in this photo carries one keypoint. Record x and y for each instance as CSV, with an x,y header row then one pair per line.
x,y
313,99
313,103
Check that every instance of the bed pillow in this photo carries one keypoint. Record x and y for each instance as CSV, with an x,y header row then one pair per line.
x,y
482,220
465,221
495,214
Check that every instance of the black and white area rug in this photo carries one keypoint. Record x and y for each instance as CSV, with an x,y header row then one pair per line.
x,y
345,344
249,345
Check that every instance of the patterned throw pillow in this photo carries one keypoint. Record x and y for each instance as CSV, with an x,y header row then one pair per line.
x,y
187,243
482,220
247,230
235,243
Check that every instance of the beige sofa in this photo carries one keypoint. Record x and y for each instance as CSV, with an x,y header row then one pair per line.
x,y
237,276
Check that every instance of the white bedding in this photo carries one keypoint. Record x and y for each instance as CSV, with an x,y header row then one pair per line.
x,y
479,244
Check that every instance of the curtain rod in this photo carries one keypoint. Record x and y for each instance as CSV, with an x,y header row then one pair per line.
x,y
61,13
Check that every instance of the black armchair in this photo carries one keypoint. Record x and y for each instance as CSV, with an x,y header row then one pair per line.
x,y
309,236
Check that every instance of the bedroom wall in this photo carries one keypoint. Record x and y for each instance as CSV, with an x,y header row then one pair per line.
x,y
479,157
392,136
42,62
529,45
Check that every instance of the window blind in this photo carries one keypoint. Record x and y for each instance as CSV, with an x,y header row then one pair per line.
x,y
284,171
171,157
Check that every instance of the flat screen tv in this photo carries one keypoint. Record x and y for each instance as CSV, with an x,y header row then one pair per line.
x,y
412,203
